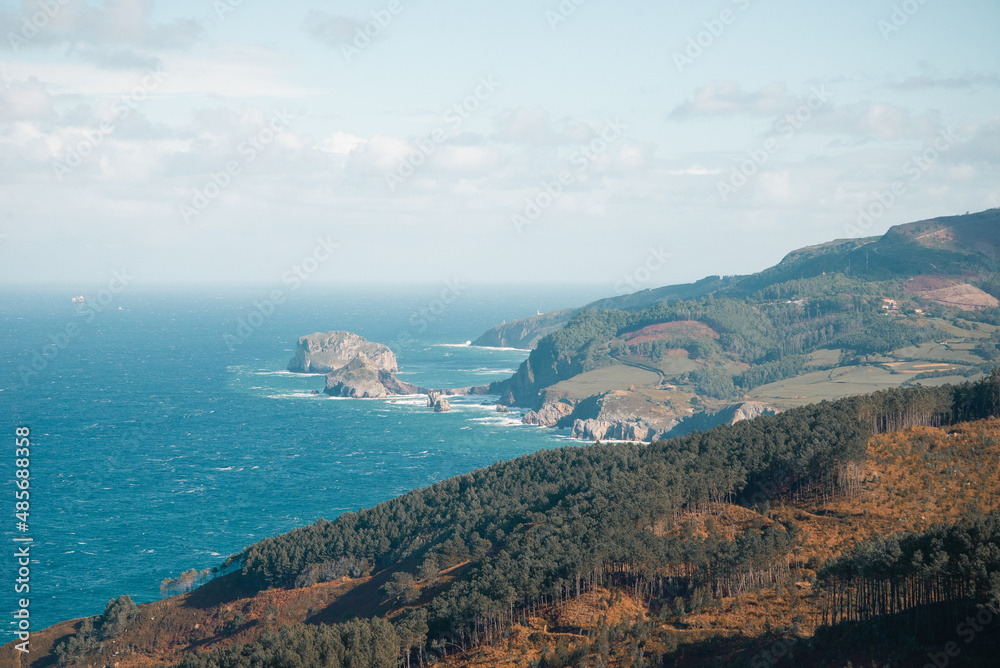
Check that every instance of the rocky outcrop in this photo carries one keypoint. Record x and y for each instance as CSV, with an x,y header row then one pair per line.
x,y
437,402
525,333
619,415
329,351
544,367
362,379
620,430
548,415
750,410
729,415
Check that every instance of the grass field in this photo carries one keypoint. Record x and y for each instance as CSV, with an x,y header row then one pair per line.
x,y
615,377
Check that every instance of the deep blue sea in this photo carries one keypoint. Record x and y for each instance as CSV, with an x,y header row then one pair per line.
x,y
160,445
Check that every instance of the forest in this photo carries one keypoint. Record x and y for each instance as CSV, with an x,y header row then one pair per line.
x,y
771,330
465,563
545,528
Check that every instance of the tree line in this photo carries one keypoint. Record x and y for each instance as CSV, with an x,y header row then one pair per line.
x,y
543,529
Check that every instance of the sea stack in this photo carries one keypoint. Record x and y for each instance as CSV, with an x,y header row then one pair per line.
x,y
325,352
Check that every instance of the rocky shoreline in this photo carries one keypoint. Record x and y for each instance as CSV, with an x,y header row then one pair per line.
x,y
361,369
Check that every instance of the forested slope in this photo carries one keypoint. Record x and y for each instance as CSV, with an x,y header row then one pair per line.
x,y
698,539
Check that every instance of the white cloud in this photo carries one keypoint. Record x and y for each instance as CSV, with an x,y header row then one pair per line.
x,y
94,30
466,160
727,98
24,100
881,121
534,127
222,70
378,155
331,29
341,143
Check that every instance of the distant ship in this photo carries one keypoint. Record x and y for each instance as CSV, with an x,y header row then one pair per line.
x,y
78,300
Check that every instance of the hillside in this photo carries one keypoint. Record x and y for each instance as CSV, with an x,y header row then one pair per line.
x,y
716,546
917,305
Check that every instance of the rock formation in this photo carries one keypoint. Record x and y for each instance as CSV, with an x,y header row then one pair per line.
x,y
750,410
619,430
325,352
548,415
437,402
362,379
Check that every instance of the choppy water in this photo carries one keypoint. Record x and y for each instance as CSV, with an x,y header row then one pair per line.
x,y
158,447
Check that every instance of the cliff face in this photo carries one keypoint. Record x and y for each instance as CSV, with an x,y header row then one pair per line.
x,y
544,367
525,333
324,352
621,416
362,379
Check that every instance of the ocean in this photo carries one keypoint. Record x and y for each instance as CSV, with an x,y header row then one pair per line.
x,y
166,433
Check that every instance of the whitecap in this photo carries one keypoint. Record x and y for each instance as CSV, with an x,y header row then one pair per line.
x,y
285,373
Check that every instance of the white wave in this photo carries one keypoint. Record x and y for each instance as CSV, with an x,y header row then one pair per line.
x,y
295,395
503,348
503,421
487,370
285,373
409,400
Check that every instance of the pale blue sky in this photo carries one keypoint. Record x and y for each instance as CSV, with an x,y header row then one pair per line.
x,y
143,196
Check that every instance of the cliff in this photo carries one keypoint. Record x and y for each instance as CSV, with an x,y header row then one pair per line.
x,y
324,352
362,379
525,333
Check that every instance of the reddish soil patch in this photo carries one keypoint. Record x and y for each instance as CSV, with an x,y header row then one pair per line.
x,y
670,330
950,292
923,283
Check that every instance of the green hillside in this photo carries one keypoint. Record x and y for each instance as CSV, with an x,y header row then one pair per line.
x,y
916,305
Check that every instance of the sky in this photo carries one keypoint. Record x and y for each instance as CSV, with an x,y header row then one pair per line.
x,y
627,145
